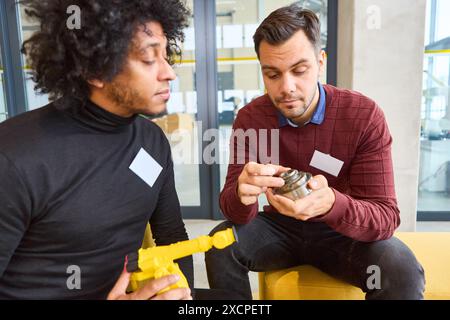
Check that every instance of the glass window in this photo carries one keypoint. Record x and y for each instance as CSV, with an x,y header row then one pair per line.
x,y
442,21
434,177
239,74
180,122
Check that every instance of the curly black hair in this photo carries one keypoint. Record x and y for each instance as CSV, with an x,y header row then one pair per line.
x,y
64,59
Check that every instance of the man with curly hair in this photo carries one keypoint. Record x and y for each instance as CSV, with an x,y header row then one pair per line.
x,y
82,176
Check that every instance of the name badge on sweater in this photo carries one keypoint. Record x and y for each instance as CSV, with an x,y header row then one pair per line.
x,y
146,167
326,163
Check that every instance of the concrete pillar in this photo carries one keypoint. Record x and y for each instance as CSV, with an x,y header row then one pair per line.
x,y
380,54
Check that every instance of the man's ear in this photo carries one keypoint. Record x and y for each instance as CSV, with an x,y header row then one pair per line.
x,y
96,83
322,60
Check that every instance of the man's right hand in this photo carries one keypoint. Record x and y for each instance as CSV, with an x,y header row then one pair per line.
x,y
256,178
150,290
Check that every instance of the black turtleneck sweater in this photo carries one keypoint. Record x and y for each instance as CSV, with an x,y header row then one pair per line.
x,y
69,198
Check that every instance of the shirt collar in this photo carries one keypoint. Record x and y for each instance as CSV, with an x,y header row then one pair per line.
x,y
318,116
93,116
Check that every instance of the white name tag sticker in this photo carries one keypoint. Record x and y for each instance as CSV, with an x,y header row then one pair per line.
x,y
326,163
145,167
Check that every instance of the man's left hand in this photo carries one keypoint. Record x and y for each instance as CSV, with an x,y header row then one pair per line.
x,y
318,203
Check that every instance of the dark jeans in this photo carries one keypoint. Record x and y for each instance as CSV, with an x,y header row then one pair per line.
x,y
274,241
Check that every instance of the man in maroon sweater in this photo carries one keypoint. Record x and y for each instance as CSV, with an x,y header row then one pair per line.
x,y
345,226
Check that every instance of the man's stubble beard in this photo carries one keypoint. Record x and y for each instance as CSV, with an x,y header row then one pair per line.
x,y
305,108
127,98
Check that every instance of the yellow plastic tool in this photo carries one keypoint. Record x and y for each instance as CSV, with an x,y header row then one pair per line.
x,y
157,262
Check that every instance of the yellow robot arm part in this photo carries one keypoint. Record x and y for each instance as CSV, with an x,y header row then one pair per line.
x,y
157,262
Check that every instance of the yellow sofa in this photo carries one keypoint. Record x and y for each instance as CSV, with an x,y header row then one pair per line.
x,y
308,283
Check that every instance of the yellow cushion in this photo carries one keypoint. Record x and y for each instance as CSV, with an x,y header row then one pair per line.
x,y
148,241
308,283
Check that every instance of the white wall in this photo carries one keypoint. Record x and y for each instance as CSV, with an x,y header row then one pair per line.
x,y
380,54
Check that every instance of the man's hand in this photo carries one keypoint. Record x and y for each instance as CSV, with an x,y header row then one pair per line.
x,y
319,202
256,178
150,290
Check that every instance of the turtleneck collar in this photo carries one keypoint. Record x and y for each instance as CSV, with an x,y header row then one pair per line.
x,y
93,116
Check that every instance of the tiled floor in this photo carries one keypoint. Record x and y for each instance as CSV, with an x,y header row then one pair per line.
x,y
197,228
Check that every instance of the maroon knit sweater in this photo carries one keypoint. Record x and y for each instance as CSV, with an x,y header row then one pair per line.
x,y
354,131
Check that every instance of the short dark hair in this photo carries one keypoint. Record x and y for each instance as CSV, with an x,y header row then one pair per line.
x,y
283,23
63,60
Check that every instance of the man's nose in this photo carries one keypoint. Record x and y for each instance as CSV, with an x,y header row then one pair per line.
x,y
288,85
166,72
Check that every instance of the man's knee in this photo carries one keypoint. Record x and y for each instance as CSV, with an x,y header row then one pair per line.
x,y
397,274
246,241
220,227
213,255
246,233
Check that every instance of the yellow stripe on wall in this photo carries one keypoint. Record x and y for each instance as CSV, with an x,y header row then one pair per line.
x,y
243,59
437,51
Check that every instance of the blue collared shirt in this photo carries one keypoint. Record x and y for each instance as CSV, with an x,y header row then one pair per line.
x,y
318,116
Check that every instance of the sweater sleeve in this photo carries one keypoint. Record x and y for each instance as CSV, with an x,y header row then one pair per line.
x,y
15,211
369,211
232,207
166,221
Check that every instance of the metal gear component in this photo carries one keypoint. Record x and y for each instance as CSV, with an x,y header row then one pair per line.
x,y
295,185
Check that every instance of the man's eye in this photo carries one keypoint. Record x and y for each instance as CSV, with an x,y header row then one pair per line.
x,y
300,72
272,76
148,62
